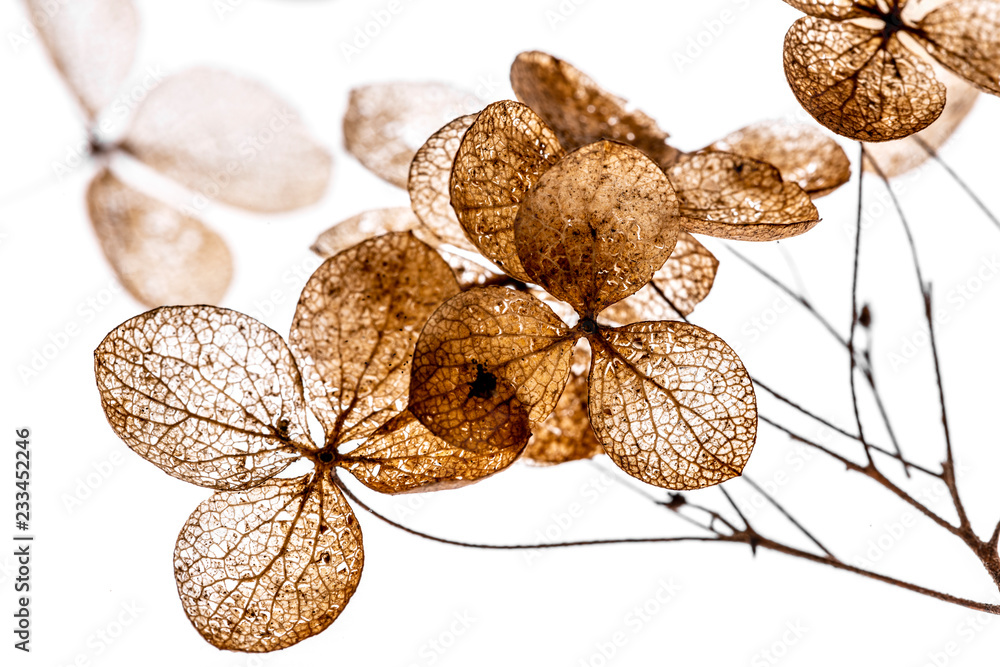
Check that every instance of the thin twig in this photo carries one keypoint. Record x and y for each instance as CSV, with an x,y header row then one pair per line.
x,y
854,308
778,506
925,291
961,183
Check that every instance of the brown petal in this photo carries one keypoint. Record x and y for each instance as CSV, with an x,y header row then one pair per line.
x,y
489,363
385,123
403,457
263,569
567,435
802,153
964,36
672,404
502,156
597,226
895,158
684,280
858,84
430,175
469,270
580,111
355,327
92,43
837,9
229,139
160,255
209,395
736,197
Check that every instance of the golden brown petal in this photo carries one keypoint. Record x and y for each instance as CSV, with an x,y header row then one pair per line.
x,y
964,36
367,225
672,404
736,197
597,226
209,395
262,569
684,280
898,157
160,255
430,175
501,157
489,363
385,123
567,435
229,139
837,9
580,111
355,327
858,84
403,457
802,153
92,43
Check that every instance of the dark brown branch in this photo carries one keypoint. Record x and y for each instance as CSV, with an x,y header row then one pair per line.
x,y
854,308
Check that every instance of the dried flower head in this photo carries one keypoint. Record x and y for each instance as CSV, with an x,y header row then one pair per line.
x,y
860,67
222,136
214,397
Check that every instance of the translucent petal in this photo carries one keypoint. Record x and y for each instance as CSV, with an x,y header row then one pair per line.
x,y
597,226
802,153
355,327
403,457
502,156
964,36
229,139
858,84
159,254
385,123
430,174
263,569
684,280
209,395
376,222
580,111
672,404
92,43
736,197
566,435
902,155
489,363
837,9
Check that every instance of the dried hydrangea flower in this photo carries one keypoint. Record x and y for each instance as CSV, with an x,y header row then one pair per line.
x,y
859,66
193,127
669,402
214,397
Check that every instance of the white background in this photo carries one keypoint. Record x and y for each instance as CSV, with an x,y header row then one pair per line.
x,y
106,521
